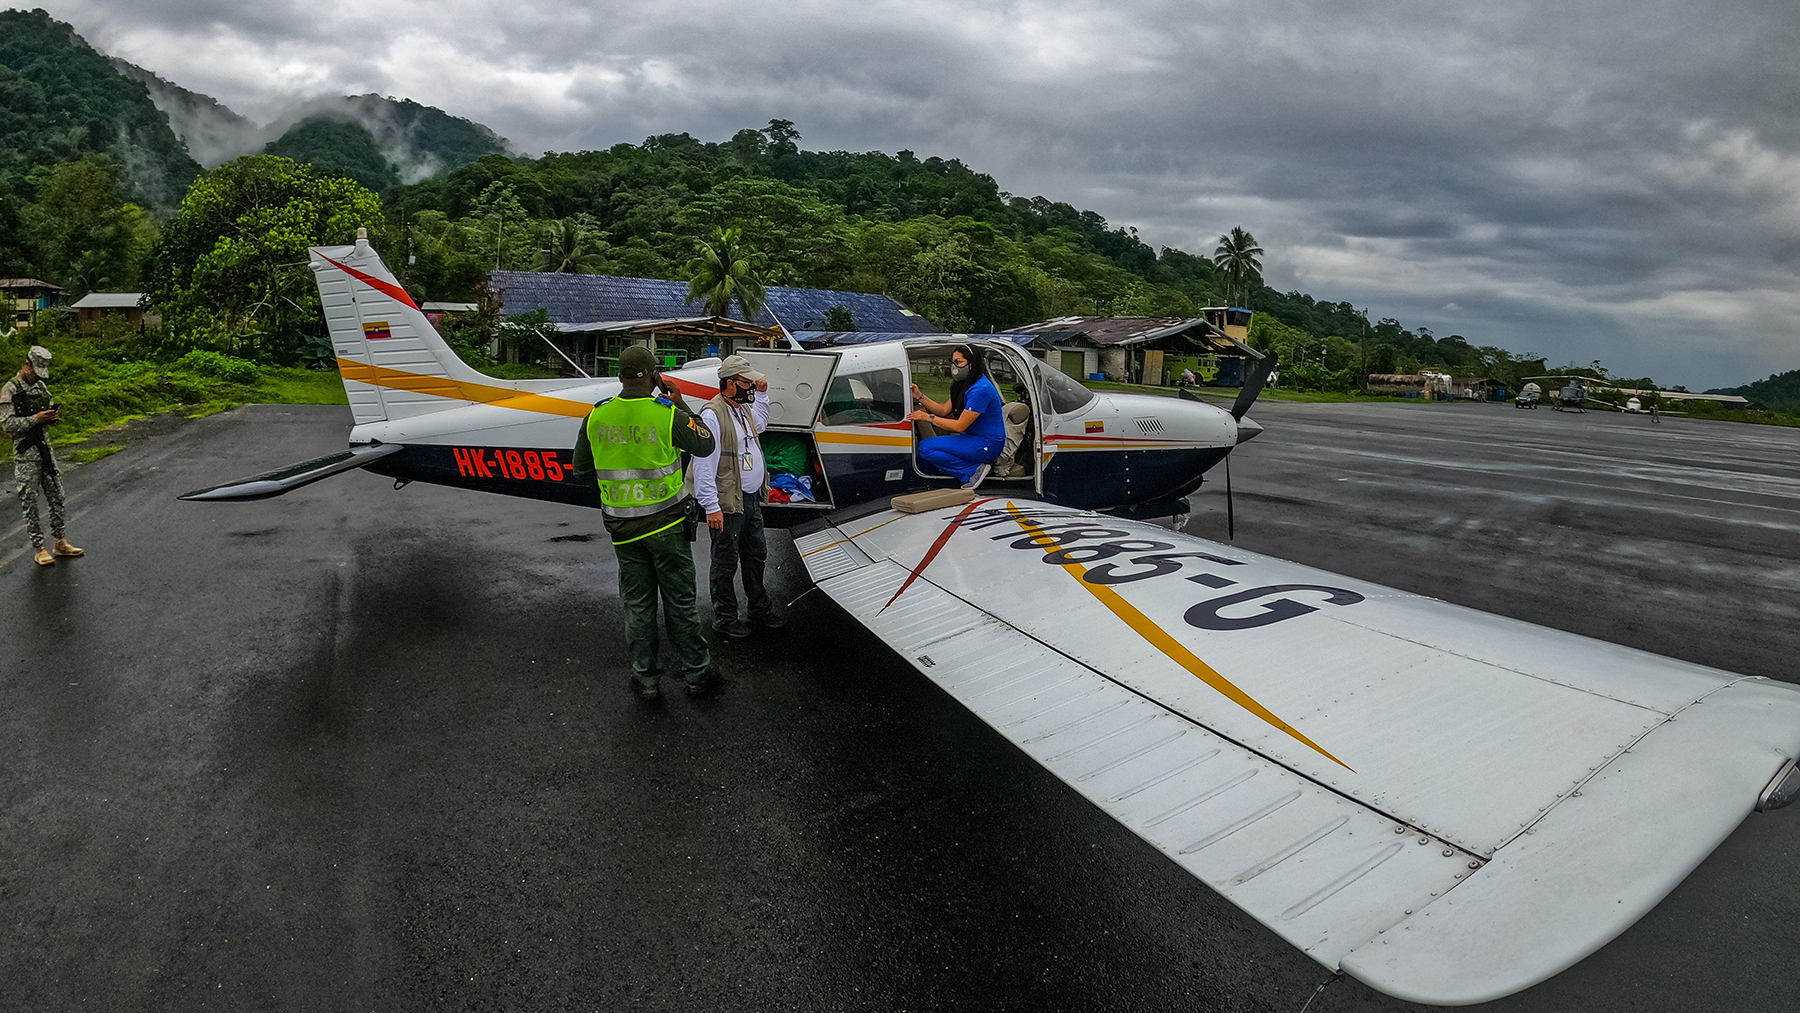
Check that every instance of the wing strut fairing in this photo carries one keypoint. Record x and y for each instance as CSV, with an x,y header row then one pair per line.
x,y
283,480
1448,805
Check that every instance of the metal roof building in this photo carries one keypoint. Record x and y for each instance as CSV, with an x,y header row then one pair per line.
x,y
1149,350
605,298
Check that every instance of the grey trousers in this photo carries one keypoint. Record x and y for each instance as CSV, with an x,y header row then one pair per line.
x,y
740,546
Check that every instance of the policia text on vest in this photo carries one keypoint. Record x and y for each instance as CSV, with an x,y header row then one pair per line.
x,y
631,449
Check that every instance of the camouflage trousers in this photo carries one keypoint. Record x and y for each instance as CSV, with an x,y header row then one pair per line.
x,y
29,471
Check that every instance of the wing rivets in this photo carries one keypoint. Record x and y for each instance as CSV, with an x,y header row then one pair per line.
x,y
1474,865
1399,830
1424,840
1448,852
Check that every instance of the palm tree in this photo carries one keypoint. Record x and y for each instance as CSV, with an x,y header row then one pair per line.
x,y
727,270
1236,257
571,246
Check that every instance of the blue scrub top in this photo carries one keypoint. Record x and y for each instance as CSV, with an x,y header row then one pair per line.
x,y
984,398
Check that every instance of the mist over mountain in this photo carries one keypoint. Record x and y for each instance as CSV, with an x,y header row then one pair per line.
x,y
61,100
376,140
417,141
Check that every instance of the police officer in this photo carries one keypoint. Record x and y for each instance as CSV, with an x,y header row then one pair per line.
x,y
26,413
632,451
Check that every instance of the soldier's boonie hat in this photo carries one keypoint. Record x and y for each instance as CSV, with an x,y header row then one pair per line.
x,y
40,361
737,365
635,362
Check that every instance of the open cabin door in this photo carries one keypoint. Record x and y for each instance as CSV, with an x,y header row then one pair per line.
x,y
1014,375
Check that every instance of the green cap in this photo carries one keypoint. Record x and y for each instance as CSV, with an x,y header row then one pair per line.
x,y
635,362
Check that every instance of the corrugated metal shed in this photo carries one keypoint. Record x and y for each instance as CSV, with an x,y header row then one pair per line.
x,y
827,339
594,298
110,301
1132,332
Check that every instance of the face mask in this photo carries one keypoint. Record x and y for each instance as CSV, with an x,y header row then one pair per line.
x,y
959,373
744,395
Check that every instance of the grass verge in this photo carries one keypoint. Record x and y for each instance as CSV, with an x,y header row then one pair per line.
x,y
95,392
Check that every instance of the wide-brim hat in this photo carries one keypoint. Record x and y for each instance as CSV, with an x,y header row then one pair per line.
x,y
737,366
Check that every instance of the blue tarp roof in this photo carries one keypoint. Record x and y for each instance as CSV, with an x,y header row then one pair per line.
x,y
591,298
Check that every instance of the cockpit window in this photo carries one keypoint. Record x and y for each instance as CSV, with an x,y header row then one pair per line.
x,y
863,398
1063,394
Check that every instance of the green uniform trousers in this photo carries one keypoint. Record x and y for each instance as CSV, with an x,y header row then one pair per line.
x,y
662,564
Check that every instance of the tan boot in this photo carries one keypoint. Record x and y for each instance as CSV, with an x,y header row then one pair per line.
x,y
63,548
44,558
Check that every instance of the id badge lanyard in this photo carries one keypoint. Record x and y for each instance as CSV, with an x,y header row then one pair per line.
x,y
746,434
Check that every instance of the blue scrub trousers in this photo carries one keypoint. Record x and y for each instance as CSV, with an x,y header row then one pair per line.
x,y
959,454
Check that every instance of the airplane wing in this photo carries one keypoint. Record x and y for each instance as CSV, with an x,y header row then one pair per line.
x,y
1448,805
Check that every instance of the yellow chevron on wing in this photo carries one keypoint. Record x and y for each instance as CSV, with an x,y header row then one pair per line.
x,y
1160,639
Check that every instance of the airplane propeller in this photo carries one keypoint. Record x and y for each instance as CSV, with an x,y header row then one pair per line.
x,y
1253,386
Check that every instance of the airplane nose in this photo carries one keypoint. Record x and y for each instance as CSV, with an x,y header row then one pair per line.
x,y
1247,430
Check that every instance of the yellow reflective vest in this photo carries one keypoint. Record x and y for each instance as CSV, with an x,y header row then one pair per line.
x,y
636,462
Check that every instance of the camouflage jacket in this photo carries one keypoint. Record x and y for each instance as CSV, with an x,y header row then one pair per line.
x,y
19,405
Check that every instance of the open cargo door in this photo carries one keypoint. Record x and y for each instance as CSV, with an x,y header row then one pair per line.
x,y
797,384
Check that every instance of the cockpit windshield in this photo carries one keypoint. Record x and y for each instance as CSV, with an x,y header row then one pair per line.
x,y
1062,394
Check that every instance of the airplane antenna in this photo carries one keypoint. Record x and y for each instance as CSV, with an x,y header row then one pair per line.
x,y
564,354
790,334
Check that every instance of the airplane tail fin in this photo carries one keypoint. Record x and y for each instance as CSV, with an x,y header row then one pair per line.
x,y
394,363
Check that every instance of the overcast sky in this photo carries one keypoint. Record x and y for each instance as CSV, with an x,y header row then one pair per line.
x,y
1614,179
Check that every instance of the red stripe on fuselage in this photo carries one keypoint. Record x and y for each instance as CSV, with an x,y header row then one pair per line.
x,y
690,388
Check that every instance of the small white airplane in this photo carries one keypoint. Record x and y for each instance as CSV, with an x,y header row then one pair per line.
x,y
1444,804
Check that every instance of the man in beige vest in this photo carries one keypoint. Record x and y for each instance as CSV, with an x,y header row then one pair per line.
x,y
731,484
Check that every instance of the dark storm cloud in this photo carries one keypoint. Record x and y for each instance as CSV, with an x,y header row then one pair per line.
x,y
1617,179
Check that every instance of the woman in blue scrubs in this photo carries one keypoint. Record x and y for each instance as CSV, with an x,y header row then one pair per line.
x,y
972,417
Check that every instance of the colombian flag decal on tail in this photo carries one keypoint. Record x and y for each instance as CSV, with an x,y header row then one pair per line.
x,y
377,329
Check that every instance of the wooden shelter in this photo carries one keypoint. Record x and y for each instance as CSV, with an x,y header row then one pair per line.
x,y
595,347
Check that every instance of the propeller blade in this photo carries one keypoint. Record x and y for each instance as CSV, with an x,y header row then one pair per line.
x,y
1259,375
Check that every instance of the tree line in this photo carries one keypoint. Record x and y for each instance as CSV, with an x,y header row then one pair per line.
x,y
227,268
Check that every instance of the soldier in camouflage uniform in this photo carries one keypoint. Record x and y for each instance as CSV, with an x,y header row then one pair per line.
x,y
26,413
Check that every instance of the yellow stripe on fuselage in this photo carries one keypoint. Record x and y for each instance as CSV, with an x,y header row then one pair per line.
x,y
1160,639
864,439
460,390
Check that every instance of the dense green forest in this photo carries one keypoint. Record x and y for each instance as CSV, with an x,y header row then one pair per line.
x,y
1780,392
934,233
60,99
92,183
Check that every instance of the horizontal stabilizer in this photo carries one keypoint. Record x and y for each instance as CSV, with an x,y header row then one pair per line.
x,y
282,480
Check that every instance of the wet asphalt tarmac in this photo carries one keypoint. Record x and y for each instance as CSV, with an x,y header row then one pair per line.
x,y
359,749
